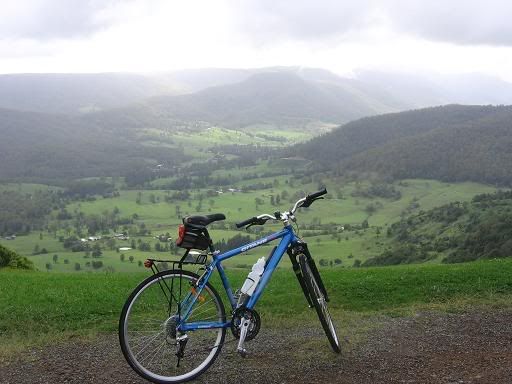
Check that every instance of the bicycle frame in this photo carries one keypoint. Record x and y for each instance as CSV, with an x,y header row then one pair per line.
x,y
287,237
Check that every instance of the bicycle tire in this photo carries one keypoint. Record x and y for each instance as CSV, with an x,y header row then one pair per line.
x,y
149,308
319,303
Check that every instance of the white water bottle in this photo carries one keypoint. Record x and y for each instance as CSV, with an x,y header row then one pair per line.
x,y
253,278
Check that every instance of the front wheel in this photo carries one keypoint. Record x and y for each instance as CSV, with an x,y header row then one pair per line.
x,y
319,302
149,327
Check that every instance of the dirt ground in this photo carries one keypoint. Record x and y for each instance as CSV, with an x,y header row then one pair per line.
x,y
472,347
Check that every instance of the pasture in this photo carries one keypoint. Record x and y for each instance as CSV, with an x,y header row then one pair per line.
x,y
343,207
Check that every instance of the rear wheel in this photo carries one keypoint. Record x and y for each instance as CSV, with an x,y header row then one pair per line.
x,y
149,328
318,300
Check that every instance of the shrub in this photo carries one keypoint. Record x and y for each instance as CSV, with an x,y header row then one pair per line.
x,y
9,258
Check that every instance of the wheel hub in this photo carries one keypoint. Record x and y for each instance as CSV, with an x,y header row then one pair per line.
x,y
170,327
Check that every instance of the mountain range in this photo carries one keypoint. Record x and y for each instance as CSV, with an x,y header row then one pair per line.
x,y
55,125
244,97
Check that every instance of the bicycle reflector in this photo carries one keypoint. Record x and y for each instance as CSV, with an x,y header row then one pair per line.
x,y
181,234
148,263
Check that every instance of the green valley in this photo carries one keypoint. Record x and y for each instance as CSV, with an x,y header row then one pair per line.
x,y
348,227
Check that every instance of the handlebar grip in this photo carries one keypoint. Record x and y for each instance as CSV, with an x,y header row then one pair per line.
x,y
246,222
317,194
314,196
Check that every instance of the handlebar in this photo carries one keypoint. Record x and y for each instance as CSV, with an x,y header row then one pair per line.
x,y
317,194
304,202
246,222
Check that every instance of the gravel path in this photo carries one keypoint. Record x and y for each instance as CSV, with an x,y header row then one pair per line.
x,y
474,347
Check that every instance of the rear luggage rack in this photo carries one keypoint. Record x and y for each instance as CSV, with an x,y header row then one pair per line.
x,y
189,258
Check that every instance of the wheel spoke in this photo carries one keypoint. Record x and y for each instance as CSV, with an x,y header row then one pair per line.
x,y
149,332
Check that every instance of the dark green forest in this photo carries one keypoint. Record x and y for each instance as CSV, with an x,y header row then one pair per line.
x,y
50,148
450,143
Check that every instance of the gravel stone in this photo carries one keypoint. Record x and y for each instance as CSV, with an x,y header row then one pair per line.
x,y
471,348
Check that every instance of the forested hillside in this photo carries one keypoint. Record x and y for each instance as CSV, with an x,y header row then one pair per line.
x,y
455,232
451,143
36,146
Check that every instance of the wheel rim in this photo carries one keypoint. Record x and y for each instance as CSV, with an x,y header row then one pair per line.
x,y
150,332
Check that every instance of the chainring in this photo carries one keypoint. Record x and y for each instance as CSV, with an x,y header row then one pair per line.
x,y
254,326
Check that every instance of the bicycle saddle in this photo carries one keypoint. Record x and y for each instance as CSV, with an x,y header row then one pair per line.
x,y
203,220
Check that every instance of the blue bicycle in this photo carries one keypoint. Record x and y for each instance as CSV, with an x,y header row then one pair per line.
x,y
173,325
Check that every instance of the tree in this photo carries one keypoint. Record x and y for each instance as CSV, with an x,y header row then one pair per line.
x,y
55,259
77,266
131,259
48,266
121,257
96,251
357,263
111,244
370,209
36,250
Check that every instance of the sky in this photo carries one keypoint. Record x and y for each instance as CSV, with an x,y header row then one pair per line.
x,y
344,36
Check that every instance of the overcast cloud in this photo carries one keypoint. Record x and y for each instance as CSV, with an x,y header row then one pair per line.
x,y
341,35
51,19
452,21
467,22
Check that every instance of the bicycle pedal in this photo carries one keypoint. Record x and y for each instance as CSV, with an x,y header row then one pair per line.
x,y
243,352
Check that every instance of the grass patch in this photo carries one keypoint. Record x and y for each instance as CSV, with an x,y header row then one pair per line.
x,y
37,307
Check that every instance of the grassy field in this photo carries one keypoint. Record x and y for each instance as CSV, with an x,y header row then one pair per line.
x,y
197,142
39,307
338,209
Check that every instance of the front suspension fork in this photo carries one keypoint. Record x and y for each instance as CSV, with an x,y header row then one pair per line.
x,y
293,252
